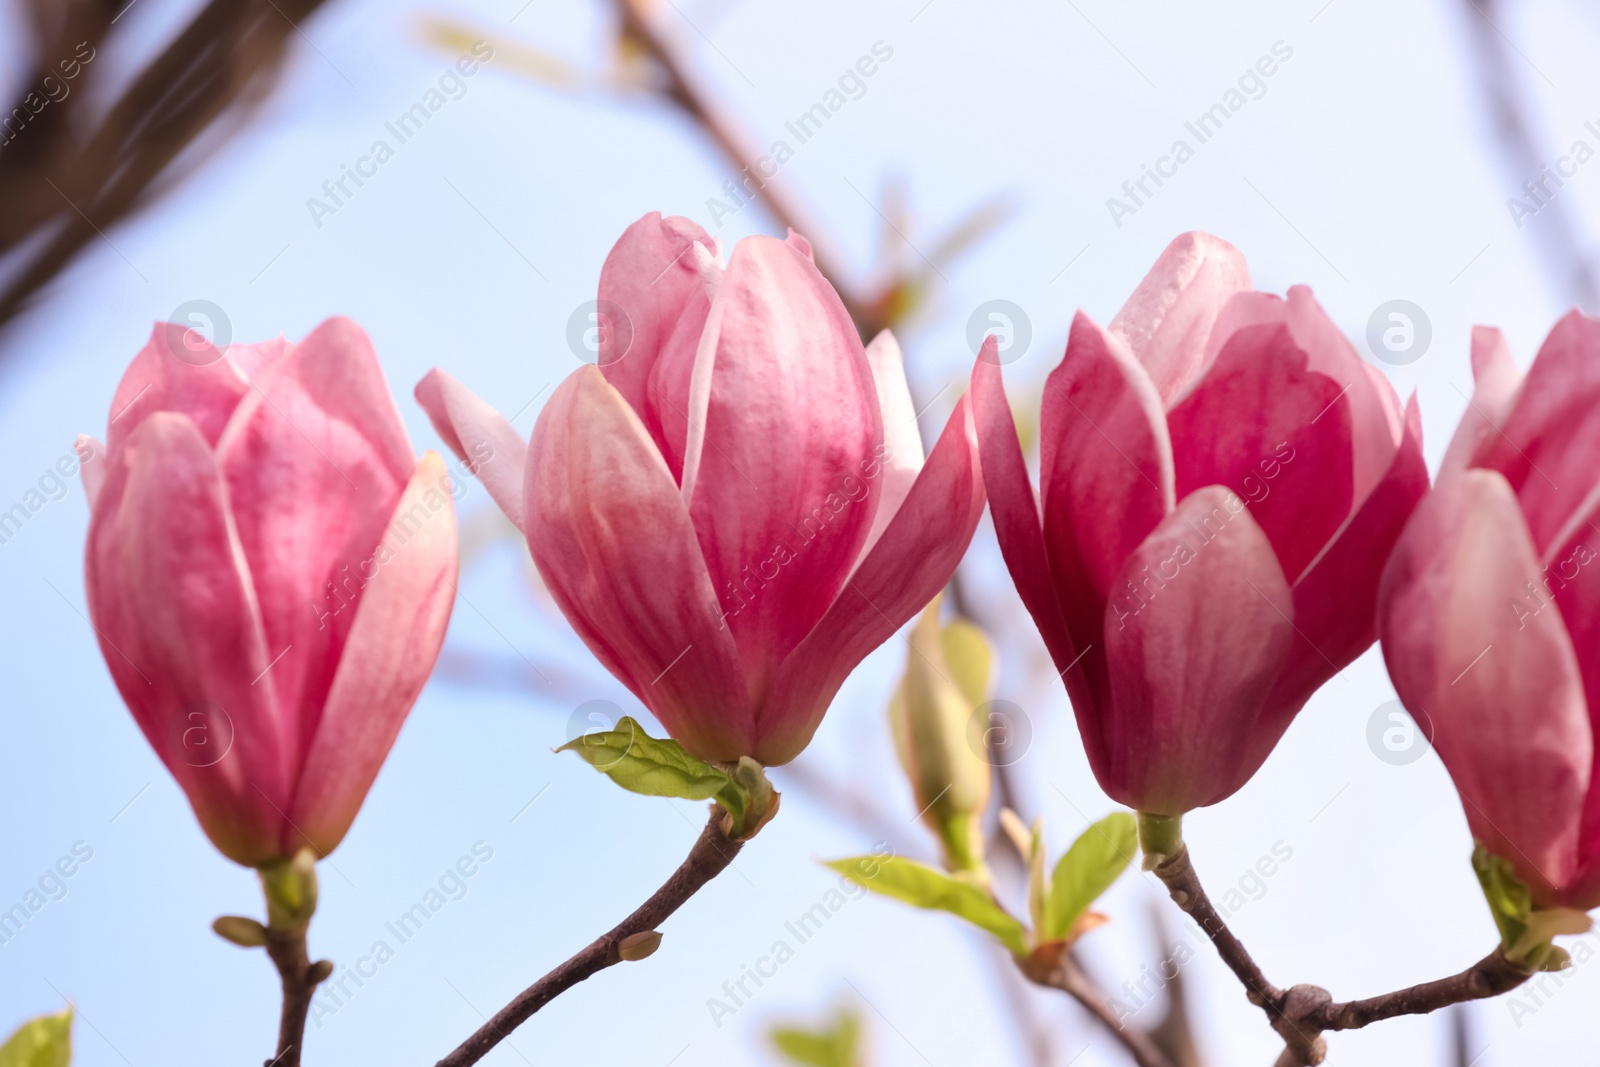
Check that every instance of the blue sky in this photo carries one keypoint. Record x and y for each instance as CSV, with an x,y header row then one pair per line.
x,y
1363,166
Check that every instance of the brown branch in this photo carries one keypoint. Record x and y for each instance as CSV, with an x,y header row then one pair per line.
x,y
300,978
711,854
683,89
1301,1013
1558,233
50,184
1055,967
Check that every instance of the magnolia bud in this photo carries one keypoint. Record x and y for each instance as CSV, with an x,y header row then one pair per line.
x,y
246,933
938,735
640,945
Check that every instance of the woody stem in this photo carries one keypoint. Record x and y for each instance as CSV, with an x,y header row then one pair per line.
x,y
1064,973
713,851
1302,1013
287,949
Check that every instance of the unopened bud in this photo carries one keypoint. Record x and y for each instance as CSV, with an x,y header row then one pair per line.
x,y
246,933
638,946
939,738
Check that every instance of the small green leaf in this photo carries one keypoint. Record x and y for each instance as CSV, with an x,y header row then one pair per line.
x,y
43,1041
836,1046
1095,860
1039,888
1510,902
924,887
643,764
660,767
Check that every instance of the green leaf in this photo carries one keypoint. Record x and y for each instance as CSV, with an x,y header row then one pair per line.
x,y
924,887
1039,889
643,764
1510,902
660,767
44,1041
1095,860
837,1046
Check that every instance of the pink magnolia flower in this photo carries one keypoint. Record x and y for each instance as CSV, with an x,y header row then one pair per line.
x,y
270,572
1490,611
1222,479
732,508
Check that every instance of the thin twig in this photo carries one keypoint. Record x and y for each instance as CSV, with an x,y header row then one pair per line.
x,y
1054,966
1301,1013
710,856
300,977
75,189
1559,232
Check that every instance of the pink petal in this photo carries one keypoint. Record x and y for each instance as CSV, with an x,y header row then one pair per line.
x,y
1014,510
1496,380
170,594
1335,600
1193,646
1570,581
1166,321
315,458
653,278
910,564
1374,409
177,370
393,642
613,542
254,360
1501,688
1106,474
779,477
801,245
1549,444
479,436
91,466
1276,433
902,440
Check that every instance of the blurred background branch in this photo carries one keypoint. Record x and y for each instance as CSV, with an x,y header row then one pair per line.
x,y
68,176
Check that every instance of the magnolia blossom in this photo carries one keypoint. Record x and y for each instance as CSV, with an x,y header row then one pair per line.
x,y
1222,478
1490,611
270,571
733,507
